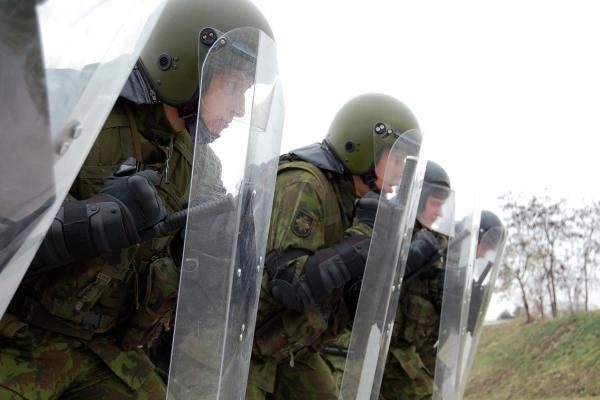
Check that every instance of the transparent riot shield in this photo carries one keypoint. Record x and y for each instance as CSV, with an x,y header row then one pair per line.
x,y
26,153
384,270
457,274
490,249
235,164
54,106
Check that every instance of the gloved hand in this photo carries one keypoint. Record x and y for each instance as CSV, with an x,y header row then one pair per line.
x,y
424,250
351,294
366,208
138,194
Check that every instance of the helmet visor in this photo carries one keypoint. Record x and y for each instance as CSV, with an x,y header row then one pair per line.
x,y
436,208
224,252
391,151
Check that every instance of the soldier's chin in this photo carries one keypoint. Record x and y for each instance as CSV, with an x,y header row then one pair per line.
x,y
215,132
217,128
426,222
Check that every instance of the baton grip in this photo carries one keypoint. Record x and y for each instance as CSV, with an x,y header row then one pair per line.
x,y
178,219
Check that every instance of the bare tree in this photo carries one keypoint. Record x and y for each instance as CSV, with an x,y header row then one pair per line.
x,y
551,256
550,226
520,255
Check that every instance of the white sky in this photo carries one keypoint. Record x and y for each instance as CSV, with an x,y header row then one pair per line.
x,y
506,92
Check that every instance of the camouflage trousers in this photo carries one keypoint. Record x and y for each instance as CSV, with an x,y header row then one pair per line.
x,y
46,365
406,376
310,378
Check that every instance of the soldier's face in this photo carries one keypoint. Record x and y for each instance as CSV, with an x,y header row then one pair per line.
x,y
482,249
393,161
432,211
224,99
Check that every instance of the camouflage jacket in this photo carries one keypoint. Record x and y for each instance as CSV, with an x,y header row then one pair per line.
x,y
417,318
312,209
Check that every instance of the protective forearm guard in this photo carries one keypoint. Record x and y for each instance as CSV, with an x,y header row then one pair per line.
x,y
324,271
84,229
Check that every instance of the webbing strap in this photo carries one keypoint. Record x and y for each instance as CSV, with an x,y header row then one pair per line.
x,y
275,260
135,138
353,259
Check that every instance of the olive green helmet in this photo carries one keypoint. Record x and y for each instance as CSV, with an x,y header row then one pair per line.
x,y
364,126
173,56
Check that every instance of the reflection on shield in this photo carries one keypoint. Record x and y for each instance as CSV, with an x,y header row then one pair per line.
x,y
236,156
485,272
458,269
381,282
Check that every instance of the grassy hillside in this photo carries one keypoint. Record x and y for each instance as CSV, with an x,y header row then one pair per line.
x,y
557,359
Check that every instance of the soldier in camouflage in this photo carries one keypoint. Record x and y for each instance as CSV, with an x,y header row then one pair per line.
x,y
411,359
101,289
323,214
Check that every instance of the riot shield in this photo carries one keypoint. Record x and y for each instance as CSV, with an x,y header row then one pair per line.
x,y
27,183
55,104
235,162
457,273
382,279
490,249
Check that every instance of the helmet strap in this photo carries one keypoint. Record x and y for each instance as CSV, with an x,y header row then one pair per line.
x,y
369,179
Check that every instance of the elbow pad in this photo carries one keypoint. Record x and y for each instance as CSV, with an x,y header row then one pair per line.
x,y
324,271
84,229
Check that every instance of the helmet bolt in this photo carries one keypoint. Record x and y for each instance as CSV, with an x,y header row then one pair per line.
x,y
350,147
208,36
62,150
380,128
76,130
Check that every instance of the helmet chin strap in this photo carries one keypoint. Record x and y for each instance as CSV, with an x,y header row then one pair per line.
x,y
195,124
369,179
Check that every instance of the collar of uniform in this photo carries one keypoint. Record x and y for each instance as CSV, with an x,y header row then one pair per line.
x,y
153,124
346,194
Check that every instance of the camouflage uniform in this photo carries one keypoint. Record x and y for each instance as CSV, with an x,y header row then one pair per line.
x,y
410,364
312,210
81,327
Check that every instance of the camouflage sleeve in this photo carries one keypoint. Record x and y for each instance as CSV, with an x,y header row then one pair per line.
x,y
358,229
297,216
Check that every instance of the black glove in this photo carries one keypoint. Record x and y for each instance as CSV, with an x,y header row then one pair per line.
x,y
366,208
138,194
424,250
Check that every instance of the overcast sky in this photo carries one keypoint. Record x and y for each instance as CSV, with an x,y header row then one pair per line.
x,y
507,92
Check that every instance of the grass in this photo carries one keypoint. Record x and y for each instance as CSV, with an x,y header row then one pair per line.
x,y
550,360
